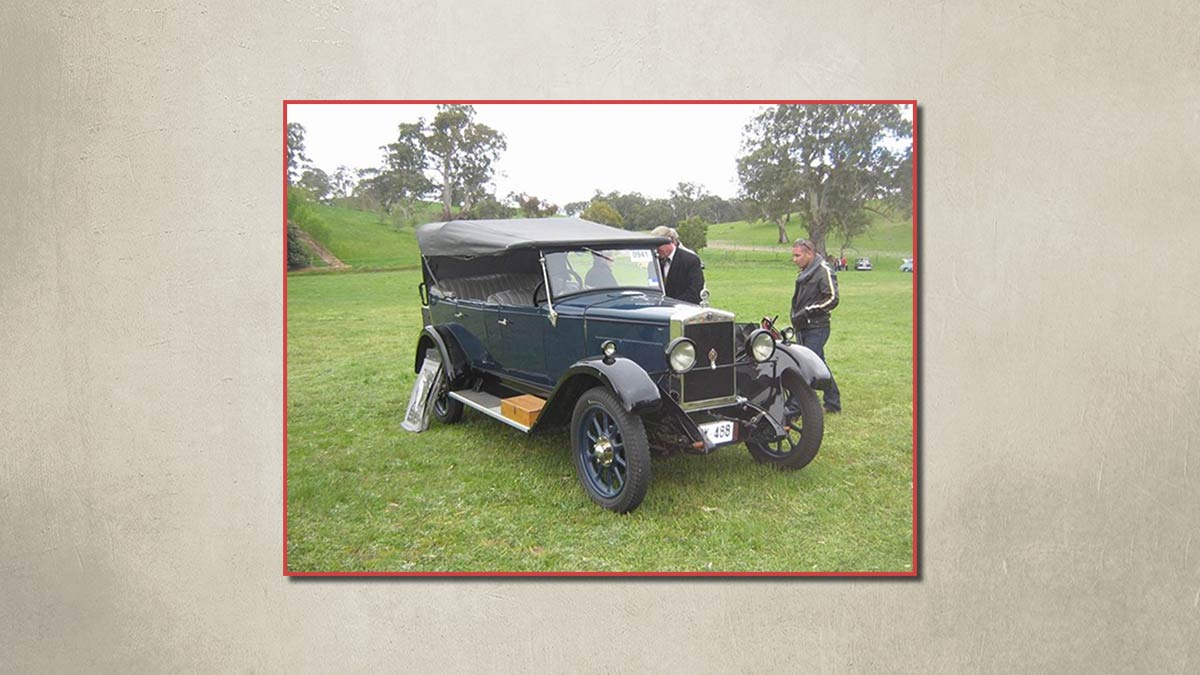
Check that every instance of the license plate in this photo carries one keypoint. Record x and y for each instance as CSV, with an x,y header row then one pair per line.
x,y
718,432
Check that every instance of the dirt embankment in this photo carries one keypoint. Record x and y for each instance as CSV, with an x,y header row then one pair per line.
x,y
329,258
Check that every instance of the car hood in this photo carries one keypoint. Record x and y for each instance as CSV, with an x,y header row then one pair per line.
x,y
648,307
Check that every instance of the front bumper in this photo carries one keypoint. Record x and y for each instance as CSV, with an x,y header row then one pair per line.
x,y
757,410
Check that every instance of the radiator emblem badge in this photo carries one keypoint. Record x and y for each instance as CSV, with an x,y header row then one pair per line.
x,y
712,359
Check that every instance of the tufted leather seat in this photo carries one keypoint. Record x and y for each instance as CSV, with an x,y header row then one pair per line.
x,y
512,298
503,289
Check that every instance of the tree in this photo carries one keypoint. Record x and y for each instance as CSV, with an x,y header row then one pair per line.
x,y
686,198
848,226
490,208
369,188
461,153
825,161
768,184
317,182
693,233
574,208
402,181
714,209
901,184
600,211
629,205
657,213
296,159
342,182
533,207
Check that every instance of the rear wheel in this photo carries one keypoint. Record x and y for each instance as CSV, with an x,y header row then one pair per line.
x,y
610,451
446,409
805,426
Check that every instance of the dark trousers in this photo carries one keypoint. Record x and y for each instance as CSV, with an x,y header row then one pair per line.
x,y
815,339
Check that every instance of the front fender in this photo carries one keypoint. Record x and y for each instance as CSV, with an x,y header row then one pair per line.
x,y
766,385
804,361
631,384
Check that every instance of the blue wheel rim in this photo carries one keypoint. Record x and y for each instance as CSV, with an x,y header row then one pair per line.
x,y
598,436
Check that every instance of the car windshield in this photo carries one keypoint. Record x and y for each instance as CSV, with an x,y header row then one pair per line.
x,y
597,269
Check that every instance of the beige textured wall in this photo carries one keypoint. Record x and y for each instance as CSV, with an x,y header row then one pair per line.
x,y
140,334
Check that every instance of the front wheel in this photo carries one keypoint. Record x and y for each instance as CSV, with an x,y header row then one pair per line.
x,y
805,426
610,451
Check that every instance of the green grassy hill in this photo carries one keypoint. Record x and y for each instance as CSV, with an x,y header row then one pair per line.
x,y
368,240
885,242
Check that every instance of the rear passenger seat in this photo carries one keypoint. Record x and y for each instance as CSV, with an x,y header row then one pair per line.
x,y
502,289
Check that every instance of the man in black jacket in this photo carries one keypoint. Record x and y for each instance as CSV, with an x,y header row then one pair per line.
x,y
816,295
680,267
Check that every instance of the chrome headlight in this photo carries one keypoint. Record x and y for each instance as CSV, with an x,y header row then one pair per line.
x,y
681,355
762,345
788,334
609,348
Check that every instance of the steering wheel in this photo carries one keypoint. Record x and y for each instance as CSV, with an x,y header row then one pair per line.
x,y
575,280
573,283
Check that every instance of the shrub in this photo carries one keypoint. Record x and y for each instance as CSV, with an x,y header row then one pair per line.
x,y
600,211
297,256
693,233
301,212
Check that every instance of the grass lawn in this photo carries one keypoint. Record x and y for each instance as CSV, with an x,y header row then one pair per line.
x,y
364,495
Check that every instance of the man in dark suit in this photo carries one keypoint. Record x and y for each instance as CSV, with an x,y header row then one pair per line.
x,y
684,277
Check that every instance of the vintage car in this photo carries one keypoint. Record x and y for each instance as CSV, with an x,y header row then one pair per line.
x,y
863,265
541,323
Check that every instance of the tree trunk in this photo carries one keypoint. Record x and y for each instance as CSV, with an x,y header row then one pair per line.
x,y
447,188
782,225
817,234
406,210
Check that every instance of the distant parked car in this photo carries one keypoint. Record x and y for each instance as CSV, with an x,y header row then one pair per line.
x,y
906,264
863,265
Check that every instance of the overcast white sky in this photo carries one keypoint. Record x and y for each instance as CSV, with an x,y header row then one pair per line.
x,y
560,152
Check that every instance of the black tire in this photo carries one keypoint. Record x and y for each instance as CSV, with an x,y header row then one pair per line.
x,y
805,429
610,451
446,409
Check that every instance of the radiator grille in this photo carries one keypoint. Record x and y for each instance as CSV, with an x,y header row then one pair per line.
x,y
703,382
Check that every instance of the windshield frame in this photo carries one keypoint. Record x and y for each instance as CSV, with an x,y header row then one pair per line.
x,y
551,293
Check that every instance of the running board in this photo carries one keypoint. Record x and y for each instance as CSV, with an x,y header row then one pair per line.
x,y
487,404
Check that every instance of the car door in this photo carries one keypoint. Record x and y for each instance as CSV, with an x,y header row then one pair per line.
x,y
517,339
470,325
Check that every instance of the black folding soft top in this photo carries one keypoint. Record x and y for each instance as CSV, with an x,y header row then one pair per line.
x,y
474,238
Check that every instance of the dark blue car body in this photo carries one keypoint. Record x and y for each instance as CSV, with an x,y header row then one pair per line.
x,y
502,326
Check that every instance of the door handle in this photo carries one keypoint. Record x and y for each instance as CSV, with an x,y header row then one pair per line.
x,y
458,315
503,322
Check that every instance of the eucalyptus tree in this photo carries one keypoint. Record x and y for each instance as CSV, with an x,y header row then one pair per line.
x,y
827,162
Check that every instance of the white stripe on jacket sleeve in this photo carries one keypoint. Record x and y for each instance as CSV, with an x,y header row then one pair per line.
x,y
832,288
